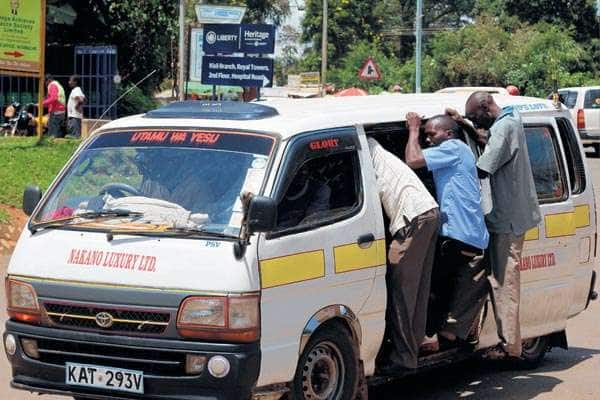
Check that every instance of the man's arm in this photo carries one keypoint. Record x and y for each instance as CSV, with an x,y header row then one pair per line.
x,y
478,135
497,151
413,154
52,95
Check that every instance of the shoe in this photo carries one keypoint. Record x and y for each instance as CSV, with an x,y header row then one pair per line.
x,y
495,353
430,344
450,319
449,336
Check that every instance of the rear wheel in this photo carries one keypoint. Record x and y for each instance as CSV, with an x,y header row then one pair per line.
x,y
328,368
533,352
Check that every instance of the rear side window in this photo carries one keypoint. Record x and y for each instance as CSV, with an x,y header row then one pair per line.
x,y
568,98
573,155
592,99
546,167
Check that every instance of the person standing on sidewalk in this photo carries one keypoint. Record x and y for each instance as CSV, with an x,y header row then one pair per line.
x,y
414,223
515,210
56,107
75,107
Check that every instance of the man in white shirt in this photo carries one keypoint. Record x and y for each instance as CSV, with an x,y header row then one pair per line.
x,y
414,223
75,107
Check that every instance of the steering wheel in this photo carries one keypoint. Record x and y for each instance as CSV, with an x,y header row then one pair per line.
x,y
118,190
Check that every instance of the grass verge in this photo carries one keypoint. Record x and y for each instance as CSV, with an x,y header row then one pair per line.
x,y
4,217
24,161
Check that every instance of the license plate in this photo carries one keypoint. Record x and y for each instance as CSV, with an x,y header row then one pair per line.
x,y
95,376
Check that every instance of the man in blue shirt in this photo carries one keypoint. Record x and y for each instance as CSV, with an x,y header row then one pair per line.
x,y
460,281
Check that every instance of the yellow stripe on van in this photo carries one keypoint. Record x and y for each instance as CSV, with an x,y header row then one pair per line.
x,y
562,224
533,234
291,269
582,216
350,257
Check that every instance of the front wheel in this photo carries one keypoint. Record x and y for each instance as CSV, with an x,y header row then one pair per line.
x,y
328,368
533,352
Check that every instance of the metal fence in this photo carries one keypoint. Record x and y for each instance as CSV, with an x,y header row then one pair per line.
x,y
96,67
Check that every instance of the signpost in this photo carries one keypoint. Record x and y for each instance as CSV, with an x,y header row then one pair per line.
x,y
23,42
239,38
237,71
196,54
222,43
369,71
211,14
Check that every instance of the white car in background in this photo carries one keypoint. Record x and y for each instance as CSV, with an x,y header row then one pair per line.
x,y
584,104
468,89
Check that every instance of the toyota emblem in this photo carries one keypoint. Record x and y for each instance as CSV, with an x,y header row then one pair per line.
x,y
104,319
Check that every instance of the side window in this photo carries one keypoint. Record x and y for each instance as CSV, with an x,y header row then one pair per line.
x,y
546,166
592,99
323,190
573,155
568,98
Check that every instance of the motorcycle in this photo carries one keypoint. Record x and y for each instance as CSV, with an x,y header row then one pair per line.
x,y
19,120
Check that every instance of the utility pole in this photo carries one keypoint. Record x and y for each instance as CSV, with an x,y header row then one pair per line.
x,y
419,38
181,61
324,50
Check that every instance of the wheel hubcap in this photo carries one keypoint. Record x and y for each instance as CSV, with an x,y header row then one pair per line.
x,y
323,373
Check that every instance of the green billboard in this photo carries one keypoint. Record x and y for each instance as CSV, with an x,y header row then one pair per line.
x,y
21,33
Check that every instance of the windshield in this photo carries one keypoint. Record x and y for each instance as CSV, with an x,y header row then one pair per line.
x,y
160,179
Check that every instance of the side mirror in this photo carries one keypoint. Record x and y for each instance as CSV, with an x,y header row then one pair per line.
x,y
262,214
31,198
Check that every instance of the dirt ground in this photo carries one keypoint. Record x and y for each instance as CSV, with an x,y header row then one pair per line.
x,y
9,233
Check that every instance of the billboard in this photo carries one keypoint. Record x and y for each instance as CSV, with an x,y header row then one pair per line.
x,y
21,30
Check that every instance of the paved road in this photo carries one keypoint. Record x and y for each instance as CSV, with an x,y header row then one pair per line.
x,y
572,374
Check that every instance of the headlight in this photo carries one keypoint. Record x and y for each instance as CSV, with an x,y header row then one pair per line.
x,y
229,318
203,311
21,301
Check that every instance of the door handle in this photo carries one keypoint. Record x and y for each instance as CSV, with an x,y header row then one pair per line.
x,y
365,241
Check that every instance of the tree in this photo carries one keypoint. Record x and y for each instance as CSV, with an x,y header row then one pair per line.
x,y
144,31
347,74
260,11
571,14
349,22
486,53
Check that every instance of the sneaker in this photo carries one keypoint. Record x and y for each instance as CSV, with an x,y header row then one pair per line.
x,y
430,344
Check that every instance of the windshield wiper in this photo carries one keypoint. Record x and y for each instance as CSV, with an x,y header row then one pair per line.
x,y
174,232
113,213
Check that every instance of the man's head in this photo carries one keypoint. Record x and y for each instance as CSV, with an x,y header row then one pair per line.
x,y
440,128
482,110
73,81
49,78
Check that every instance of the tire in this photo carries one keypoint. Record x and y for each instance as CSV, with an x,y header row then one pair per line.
x,y
328,369
533,352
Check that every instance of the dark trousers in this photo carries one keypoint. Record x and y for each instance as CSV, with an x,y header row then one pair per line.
x,y
459,288
74,127
408,279
56,123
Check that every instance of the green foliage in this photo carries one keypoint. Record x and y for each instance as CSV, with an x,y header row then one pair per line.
x,y
349,22
578,15
4,217
347,75
487,54
26,162
135,102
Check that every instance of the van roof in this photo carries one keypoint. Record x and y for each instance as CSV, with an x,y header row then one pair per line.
x,y
294,116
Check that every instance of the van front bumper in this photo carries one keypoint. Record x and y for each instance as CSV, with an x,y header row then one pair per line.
x,y
163,379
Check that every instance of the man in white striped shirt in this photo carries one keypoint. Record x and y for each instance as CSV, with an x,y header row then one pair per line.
x,y
414,223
